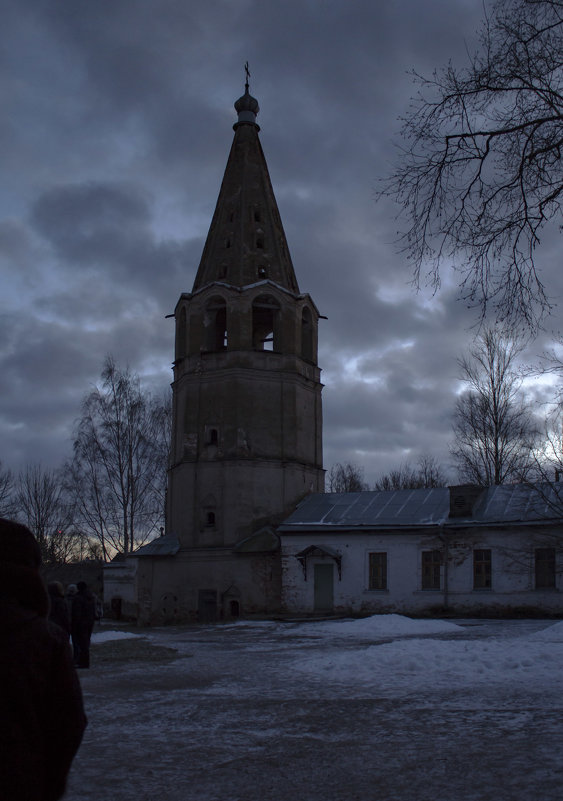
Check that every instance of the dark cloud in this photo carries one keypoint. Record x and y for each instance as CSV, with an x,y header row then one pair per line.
x,y
87,224
103,235
115,132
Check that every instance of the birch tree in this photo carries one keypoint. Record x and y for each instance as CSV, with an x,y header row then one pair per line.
x,y
494,432
118,472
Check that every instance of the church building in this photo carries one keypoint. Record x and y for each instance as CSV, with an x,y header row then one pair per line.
x,y
249,529
247,417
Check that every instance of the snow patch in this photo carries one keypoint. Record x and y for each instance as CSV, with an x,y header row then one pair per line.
x,y
417,665
550,634
381,626
106,636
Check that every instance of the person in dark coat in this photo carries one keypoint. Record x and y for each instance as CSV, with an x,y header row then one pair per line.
x,y
42,714
82,624
58,612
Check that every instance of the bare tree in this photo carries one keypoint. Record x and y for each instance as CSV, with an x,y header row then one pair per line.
x,y
548,456
118,472
346,477
7,501
40,504
481,171
494,432
430,472
426,474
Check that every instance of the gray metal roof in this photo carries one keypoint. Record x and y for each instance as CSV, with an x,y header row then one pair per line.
x,y
425,507
160,546
520,502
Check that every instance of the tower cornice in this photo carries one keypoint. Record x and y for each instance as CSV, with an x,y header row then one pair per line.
x,y
298,296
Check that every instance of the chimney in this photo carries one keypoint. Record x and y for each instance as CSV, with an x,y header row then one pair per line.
x,y
463,498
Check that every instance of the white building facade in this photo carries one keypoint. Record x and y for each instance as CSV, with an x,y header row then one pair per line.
x,y
460,550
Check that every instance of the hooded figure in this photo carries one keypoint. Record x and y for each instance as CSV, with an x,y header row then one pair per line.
x,y
42,713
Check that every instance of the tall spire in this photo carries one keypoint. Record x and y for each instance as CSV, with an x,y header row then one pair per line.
x,y
246,242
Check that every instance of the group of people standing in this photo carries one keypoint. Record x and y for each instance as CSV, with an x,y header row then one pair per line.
x,y
76,614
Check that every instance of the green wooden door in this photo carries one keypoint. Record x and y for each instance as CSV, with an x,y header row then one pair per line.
x,y
324,587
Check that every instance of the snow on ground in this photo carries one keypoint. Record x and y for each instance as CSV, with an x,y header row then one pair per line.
x,y
349,710
550,634
105,636
417,664
380,626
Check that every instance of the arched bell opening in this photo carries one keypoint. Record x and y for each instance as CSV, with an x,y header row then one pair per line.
x,y
215,325
265,323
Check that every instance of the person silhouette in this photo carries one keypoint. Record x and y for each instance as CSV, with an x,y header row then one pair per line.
x,y
43,716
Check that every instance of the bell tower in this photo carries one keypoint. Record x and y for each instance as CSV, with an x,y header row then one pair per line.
x,y
247,417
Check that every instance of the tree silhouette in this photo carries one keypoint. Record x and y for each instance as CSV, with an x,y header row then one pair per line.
x,y
480,173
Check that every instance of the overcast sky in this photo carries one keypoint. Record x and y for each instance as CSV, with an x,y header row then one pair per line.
x,y
115,130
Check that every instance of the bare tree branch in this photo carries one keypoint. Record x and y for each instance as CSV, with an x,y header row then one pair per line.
x,y
346,477
480,173
425,475
42,506
7,500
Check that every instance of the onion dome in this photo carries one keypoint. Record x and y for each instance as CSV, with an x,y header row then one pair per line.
x,y
247,108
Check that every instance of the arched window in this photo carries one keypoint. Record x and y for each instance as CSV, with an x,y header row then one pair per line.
x,y
307,348
208,513
265,323
215,322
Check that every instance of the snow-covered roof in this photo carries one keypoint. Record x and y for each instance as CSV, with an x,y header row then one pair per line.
x,y
513,503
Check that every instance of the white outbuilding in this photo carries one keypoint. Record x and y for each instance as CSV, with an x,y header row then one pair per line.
x,y
463,549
